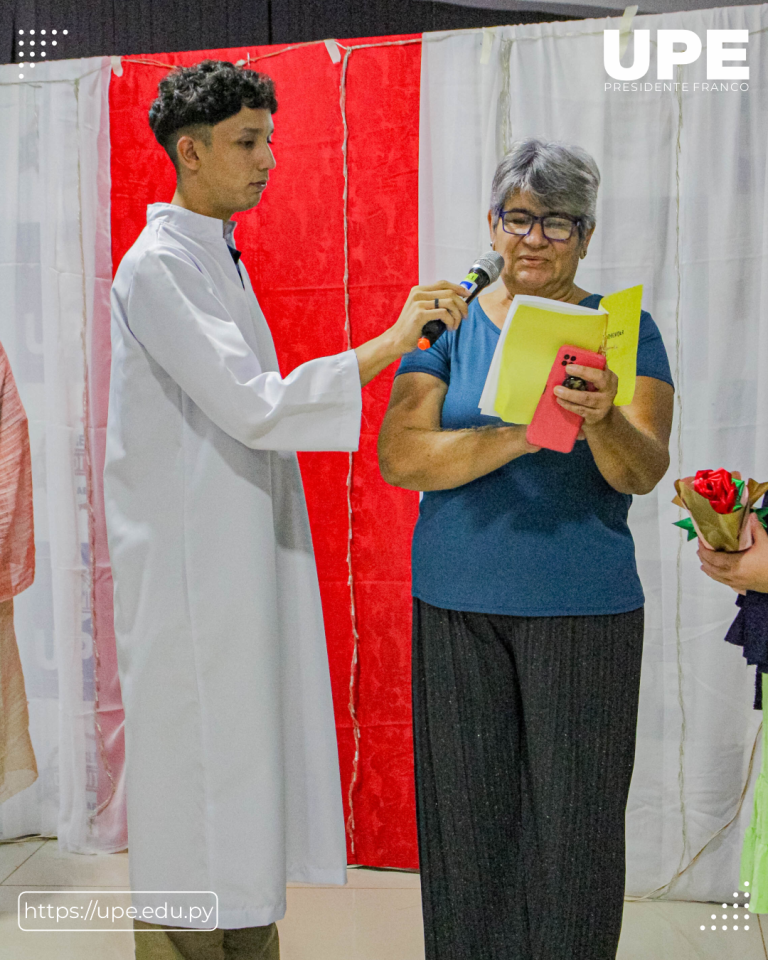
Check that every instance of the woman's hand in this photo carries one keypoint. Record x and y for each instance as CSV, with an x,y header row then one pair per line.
x,y
593,406
629,444
746,570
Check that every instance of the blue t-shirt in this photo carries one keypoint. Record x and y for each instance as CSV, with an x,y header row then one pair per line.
x,y
542,536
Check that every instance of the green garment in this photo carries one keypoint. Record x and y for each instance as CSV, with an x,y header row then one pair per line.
x,y
754,856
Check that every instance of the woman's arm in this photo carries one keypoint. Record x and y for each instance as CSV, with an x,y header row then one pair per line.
x,y
630,444
417,454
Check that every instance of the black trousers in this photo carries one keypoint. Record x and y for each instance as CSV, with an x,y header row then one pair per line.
x,y
524,737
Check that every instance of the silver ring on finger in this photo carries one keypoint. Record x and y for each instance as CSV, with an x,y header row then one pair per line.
x,y
437,303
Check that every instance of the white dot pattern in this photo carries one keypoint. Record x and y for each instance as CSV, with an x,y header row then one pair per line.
x,y
736,916
42,43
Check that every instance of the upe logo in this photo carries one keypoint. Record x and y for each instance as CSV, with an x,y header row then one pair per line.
x,y
668,57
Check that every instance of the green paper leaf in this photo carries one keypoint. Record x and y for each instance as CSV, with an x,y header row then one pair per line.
x,y
739,484
762,515
687,524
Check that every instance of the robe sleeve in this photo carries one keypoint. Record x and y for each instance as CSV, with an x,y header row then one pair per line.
x,y
173,311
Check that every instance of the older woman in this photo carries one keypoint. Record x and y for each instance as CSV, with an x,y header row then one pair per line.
x,y
528,610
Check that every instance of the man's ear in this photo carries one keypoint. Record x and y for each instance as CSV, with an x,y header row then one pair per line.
x,y
187,152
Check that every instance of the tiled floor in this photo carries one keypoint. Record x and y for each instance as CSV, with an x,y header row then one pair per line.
x,y
376,916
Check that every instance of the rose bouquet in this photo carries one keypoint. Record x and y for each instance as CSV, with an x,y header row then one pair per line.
x,y
719,504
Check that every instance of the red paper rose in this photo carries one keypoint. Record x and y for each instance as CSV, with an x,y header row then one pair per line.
x,y
718,487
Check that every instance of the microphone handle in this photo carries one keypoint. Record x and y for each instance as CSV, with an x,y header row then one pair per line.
x,y
431,333
434,329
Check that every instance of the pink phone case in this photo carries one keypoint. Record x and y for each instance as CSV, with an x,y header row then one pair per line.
x,y
553,427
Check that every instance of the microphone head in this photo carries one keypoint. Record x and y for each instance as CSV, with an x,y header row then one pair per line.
x,y
492,263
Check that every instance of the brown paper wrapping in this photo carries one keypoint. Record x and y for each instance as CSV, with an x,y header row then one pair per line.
x,y
729,532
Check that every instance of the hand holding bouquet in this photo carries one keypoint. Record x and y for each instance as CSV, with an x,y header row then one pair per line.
x,y
719,505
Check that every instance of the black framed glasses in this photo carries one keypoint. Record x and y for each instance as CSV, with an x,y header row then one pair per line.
x,y
558,227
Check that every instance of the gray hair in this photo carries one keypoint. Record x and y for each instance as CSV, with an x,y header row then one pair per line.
x,y
563,177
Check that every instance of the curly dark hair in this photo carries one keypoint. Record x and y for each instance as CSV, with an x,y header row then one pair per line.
x,y
206,94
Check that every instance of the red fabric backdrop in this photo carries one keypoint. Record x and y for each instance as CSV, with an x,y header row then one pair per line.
x,y
293,248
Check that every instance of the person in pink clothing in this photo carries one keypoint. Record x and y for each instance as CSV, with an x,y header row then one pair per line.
x,y
18,768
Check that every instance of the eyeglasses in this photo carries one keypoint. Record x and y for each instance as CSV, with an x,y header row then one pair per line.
x,y
555,226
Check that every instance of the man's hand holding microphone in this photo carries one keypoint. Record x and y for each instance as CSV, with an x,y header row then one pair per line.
x,y
428,312
442,301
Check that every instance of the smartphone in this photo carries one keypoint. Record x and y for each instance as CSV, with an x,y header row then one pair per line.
x,y
552,426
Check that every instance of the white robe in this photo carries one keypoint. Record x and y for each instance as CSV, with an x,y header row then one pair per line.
x,y
232,766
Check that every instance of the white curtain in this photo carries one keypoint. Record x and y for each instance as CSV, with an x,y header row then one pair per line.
x,y
54,189
683,209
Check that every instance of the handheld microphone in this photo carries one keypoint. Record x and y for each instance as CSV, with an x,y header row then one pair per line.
x,y
484,271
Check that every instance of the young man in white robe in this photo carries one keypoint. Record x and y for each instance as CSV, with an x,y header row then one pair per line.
x,y
232,769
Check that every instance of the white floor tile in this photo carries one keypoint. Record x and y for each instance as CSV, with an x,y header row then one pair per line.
x,y
670,930
388,925
16,944
12,855
370,879
353,923
377,916
364,879
318,924
53,867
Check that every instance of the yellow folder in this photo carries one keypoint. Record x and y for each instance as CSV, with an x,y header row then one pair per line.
x,y
534,331
622,334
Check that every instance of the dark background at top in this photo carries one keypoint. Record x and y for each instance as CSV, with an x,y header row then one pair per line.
x,y
104,27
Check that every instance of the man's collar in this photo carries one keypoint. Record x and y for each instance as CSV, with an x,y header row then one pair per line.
x,y
229,231
192,224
